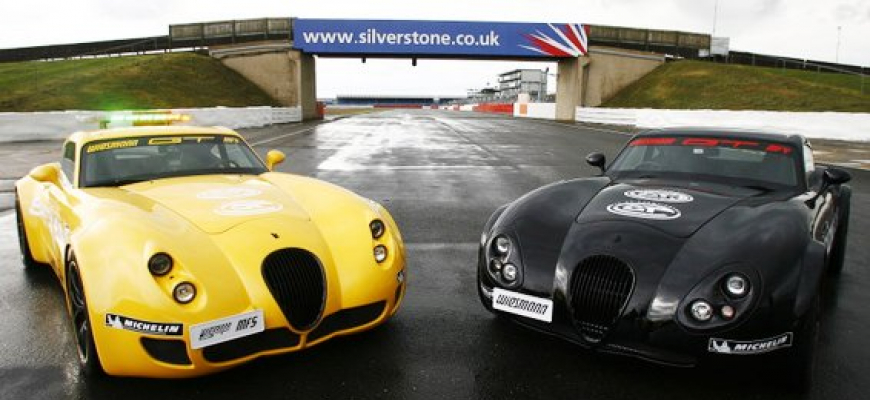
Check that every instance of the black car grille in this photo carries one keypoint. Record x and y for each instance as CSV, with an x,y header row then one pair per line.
x,y
270,339
600,289
169,351
347,318
295,278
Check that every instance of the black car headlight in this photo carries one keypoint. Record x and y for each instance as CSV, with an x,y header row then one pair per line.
x,y
736,285
720,299
503,263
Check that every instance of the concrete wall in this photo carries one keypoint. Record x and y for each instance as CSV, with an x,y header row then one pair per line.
x,y
535,110
591,80
285,74
611,70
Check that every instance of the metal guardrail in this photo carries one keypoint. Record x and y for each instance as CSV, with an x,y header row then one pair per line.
x,y
649,37
234,31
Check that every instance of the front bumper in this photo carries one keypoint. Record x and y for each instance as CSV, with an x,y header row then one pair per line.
x,y
663,343
129,353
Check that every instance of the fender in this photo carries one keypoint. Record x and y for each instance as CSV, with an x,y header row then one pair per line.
x,y
812,273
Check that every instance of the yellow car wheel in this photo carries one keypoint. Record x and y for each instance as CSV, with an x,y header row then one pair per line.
x,y
23,244
82,328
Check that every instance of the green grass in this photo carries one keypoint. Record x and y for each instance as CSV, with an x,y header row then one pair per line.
x,y
135,82
702,85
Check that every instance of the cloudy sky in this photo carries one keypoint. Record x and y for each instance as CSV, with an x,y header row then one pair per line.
x,y
794,28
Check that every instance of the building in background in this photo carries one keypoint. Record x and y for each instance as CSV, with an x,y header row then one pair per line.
x,y
485,95
530,81
512,84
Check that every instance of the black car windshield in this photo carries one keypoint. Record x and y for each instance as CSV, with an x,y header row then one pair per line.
x,y
746,162
121,161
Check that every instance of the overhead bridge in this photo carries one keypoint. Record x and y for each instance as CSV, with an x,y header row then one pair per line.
x,y
277,54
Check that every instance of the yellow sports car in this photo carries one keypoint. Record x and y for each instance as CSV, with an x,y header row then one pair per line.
x,y
181,253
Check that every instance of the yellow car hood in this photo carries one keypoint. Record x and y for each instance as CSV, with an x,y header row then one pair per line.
x,y
217,203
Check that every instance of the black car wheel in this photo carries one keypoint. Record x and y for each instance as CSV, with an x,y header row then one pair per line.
x,y
800,361
23,243
78,306
838,250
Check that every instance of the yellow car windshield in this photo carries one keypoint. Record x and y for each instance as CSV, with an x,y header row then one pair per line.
x,y
121,161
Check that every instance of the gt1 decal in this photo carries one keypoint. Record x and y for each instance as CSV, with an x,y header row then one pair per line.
x,y
713,142
645,210
228,193
151,328
247,207
667,196
725,346
523,305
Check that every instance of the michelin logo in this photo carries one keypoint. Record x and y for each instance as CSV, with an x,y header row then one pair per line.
x,y
725,346
150,328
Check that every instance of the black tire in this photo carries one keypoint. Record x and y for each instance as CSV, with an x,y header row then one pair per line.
x,y
800,361
837,260
86,348
23,244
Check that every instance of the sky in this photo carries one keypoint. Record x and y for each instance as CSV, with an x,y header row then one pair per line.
x,y
794,28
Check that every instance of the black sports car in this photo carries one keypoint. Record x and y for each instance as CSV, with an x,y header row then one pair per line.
x,y
692,244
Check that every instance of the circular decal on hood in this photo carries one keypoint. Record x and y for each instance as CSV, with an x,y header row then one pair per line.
x,y
645,210
228,193
248,207
667,196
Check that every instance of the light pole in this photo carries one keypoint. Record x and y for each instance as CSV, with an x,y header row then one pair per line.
x,y
715,16
837,57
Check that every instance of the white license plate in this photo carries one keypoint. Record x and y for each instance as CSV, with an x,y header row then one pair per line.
x,y
226,329
522,304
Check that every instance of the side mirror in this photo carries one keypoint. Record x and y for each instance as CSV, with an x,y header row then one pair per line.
x,y
836,176
831,177
597,160
273,158
48,173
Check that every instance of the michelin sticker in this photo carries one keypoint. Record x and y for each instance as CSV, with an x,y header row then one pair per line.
x,y
247,207
725,346
645,210
228,193
666,196
150,328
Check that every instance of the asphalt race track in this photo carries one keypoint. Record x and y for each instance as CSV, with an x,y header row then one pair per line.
x,y
441,174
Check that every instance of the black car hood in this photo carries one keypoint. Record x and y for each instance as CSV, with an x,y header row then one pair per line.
x,y
675,210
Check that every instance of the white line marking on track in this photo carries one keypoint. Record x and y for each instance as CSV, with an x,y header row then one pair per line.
x,y
8,235
284,136
582,127
441,246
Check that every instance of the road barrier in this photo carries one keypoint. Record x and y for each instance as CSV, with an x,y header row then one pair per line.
x,y
819,125
57,125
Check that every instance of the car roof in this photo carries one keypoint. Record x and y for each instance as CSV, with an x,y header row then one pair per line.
x,y
128,132
745,134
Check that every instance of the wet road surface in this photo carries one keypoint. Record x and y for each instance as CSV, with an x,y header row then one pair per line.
x,y
441,175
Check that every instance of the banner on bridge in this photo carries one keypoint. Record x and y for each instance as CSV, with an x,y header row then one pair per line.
x,y
440,38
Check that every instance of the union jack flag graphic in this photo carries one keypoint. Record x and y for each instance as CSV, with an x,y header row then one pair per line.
x,y
568,40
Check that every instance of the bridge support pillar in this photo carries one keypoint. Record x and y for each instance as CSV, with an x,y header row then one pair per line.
x,y
285,74
570,87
